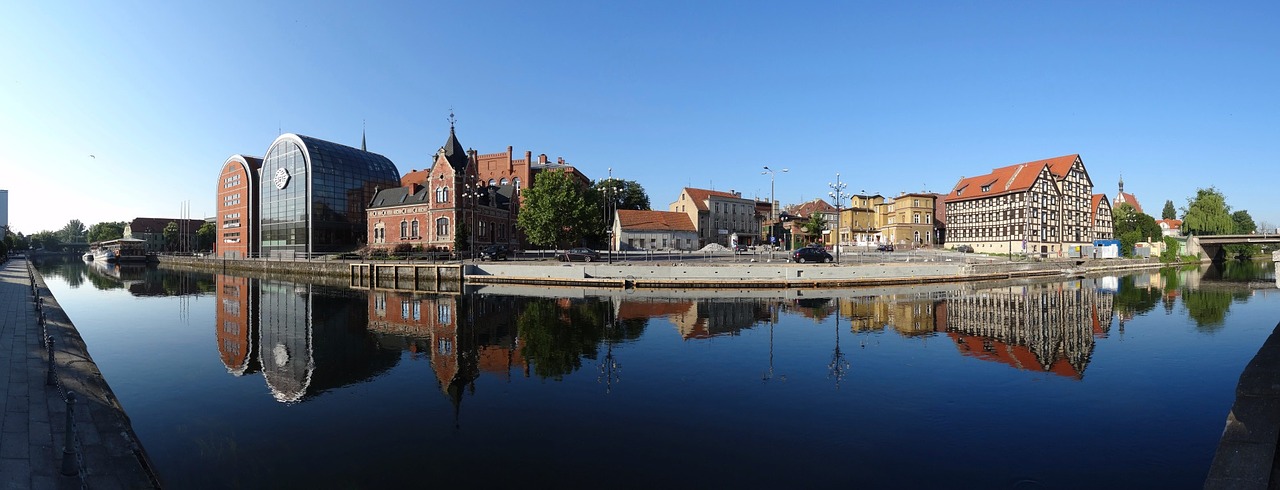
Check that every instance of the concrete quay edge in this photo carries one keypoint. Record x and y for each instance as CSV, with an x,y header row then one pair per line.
x,y
1246,457
112,453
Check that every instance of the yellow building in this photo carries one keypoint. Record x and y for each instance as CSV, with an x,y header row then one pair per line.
x,y
907,221
859,223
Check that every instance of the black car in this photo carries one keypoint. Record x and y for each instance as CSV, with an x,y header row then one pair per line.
x,y
740,248
810,254
964,249
887,247
580,254
495,252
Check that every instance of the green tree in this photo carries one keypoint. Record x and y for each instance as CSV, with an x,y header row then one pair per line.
x,y
170,234
814,225
106,230
556,211
1132,227
461,236
1168,212
1243,225
622,194
73,232
1207,214
47,240
204,236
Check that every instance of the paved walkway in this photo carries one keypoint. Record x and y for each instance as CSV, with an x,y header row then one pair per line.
x,y
34,413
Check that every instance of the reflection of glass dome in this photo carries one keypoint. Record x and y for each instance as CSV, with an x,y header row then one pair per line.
x,y
288,365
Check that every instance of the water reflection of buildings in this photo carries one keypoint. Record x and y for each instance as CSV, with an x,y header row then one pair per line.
x,y
1044,327
700,319
309,338
462,336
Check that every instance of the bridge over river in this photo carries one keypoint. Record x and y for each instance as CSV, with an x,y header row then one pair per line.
x,y
1211,247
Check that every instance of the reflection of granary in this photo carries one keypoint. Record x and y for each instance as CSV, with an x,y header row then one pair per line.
x,y
312,339
1045,327
236,311
706,319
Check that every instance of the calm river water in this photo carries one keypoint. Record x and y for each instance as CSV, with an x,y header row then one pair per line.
x,y
1102,382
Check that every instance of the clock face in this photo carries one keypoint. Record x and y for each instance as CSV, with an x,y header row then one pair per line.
x,y
281,178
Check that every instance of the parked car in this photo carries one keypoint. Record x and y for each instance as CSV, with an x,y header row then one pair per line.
x,y
495,252
810,254
740,248
885,247
580,254
964,249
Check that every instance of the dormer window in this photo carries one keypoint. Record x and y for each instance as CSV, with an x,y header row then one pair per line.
x,y
986,188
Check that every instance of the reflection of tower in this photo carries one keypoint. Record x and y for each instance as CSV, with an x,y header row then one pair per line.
x,y
235,323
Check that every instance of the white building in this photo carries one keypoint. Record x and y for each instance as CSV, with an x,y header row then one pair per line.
x,y
653,230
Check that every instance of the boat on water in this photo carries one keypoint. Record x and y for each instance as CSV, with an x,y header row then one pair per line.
x,y
126,250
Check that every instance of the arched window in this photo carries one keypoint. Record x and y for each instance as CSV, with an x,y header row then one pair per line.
x,y
413,229
442,194
379,233
503,181
482,229
491,182
442,227
516,182
404,229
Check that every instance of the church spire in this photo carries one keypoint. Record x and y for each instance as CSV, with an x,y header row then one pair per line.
x,y
1122,182
363,145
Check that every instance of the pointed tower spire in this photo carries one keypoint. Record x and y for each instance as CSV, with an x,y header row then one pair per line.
x,y
363,145
453,150
1122,182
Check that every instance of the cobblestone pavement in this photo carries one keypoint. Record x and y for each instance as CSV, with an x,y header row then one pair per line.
x,y
104,452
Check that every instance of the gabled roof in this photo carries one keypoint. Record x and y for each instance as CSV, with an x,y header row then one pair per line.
x,y
1172,224
701,196
1003,180
398,196
1010,179
1125,197
631,219
1095,202
815,206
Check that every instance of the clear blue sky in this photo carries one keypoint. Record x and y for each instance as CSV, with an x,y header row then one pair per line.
x,y
894,96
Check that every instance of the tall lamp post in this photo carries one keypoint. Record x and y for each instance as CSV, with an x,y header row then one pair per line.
x,y
610,192
472,195
773,207
837,194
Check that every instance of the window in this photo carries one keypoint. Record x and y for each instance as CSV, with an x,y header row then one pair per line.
x,y
413,229
516,182
404,229
491,182
442,227
442,194
481,232
503,181
443,313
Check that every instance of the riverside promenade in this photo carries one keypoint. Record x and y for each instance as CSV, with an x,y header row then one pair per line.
x,y
103,452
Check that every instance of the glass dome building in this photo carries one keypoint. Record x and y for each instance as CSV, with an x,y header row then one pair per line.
x,y
313,195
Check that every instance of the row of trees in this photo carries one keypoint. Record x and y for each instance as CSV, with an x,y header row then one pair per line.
x,y
76,236
1205,214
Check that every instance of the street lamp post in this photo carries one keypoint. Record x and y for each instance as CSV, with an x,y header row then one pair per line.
x,y
773,207
610,191
837,195
472,195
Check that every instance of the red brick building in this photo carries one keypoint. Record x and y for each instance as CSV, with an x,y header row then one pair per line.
x,y
237,225
433,207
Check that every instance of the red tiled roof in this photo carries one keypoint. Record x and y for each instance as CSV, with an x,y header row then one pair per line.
x,y
1127,197
1013,178
1096,201
631,219
1173,224
415,177
700,196
814,206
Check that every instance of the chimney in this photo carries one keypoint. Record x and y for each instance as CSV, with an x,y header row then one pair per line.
x,y
559,160
414,188
542,158
528,157
510,164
